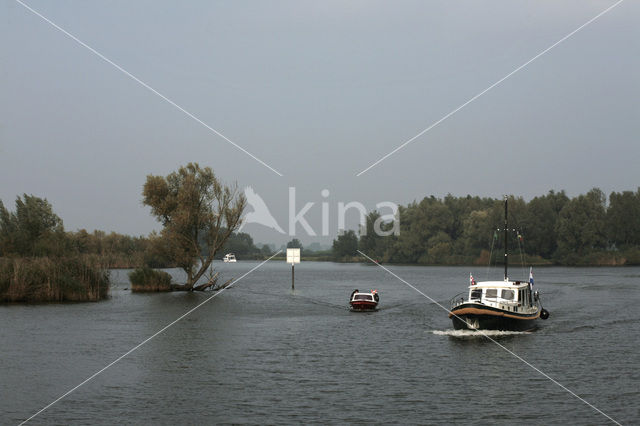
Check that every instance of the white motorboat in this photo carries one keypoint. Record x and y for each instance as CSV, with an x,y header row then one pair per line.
x,y
229,258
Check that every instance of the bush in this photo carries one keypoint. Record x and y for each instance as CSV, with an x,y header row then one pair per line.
x,y
146,279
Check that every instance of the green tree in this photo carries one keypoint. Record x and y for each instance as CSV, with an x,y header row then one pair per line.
x,y
371,243
623,218
8,231
34,229
420,222
478,228
346,245
541,223
194,208
581,225
240,244
461,207
439,249
295,243
266,250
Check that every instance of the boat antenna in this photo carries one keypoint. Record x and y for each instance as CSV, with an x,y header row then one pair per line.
x,y
506,256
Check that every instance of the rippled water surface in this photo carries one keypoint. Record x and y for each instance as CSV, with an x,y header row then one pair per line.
x,y
260,353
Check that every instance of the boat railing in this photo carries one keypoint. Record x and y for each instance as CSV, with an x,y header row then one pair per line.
x,y
457,300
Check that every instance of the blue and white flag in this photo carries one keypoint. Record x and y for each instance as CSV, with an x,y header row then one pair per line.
x,y
531,277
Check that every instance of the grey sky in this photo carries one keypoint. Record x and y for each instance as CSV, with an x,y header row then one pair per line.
x,y
318,90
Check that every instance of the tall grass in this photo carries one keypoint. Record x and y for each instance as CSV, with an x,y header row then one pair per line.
x,y
43,279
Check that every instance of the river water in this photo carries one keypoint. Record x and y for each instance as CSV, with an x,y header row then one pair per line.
x,y
260,353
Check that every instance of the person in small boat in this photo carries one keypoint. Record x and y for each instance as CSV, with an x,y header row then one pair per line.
x,y
354,292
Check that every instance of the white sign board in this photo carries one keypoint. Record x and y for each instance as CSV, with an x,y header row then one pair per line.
x,y
293,255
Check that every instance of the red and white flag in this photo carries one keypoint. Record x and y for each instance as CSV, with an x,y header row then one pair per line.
x,y
471,280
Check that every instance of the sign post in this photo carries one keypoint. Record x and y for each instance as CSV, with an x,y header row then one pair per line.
x,y
293,257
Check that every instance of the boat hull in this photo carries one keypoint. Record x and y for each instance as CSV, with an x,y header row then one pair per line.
x,y
363,305
479,317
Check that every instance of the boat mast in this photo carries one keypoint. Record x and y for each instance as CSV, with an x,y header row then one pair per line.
x,y
506,256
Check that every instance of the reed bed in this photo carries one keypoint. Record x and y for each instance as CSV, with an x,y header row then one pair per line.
x,y
44,279
149,280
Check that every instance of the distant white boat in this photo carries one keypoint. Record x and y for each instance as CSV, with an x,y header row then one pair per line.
x,y
229,258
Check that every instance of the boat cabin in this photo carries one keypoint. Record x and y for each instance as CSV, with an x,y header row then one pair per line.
x,y
514,296
363,297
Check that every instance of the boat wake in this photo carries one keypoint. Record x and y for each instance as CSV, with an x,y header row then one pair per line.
x,y
464,334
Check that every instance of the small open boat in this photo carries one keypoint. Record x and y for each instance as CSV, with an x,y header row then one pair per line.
x,y
229,258
364,301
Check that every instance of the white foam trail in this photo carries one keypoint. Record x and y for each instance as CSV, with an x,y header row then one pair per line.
x,y
473,333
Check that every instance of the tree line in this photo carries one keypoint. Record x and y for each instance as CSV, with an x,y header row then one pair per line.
x,y
200,217
551,229
589,229
33,229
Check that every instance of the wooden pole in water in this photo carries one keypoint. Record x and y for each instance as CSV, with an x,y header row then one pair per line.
x,y
293,285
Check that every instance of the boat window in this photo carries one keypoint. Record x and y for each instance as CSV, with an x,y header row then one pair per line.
x,y
491,293
508,294
476,294
363,297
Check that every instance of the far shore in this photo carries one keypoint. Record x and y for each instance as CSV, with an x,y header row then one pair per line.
x,y
357,259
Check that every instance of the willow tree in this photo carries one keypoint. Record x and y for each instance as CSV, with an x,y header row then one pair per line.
x,y
198,214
